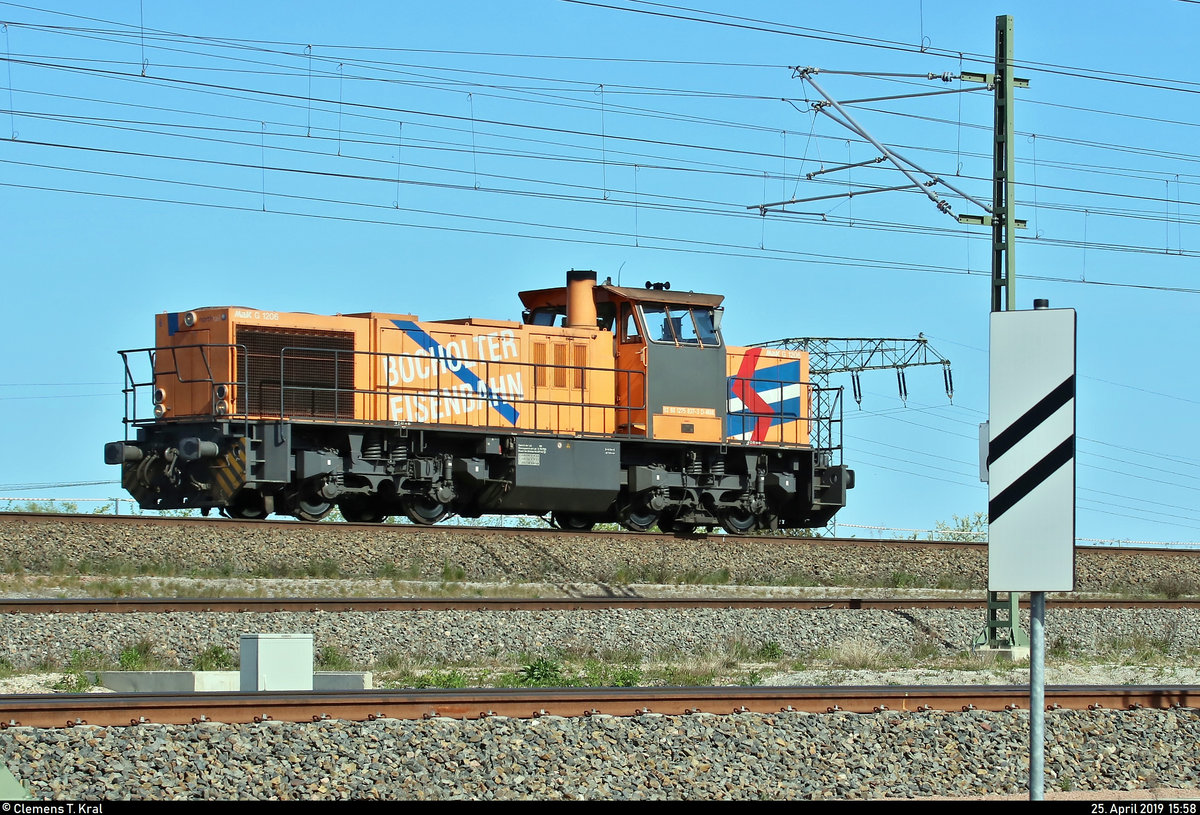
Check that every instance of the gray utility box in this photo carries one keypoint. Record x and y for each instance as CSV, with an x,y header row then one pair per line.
x,y
572,475
277,662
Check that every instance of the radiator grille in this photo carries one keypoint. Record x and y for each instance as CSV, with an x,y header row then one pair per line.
x,y
580,361
560,365
539,364
317,370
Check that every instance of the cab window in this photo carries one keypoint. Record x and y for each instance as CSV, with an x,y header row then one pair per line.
x,y
680,325
546,315
629,325
658,322
606,315
704,326
683,326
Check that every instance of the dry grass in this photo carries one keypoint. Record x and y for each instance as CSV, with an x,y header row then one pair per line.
x,y
857,655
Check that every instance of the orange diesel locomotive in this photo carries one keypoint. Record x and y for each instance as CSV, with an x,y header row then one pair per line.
x,y
604,404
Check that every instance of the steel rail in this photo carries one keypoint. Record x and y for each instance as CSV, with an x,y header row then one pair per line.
x,y
343,527
446,529
347,528
117,709
267,605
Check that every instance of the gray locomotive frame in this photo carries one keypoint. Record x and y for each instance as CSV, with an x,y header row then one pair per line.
x,y
305,469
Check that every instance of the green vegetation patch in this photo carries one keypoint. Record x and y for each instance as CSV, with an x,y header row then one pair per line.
x,y
332,658
215,658
141,656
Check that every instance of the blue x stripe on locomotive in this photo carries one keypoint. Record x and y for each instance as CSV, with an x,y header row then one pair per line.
x,y
436,350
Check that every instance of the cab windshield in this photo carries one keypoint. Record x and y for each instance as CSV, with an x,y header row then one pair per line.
x,y
680,325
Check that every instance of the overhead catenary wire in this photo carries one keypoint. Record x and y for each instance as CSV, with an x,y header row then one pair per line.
x,y
765,26
1049,205
1139,80
844,72
707,147
1089,168
841,260
1096,144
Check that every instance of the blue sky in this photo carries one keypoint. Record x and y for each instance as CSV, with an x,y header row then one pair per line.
x,y
438,158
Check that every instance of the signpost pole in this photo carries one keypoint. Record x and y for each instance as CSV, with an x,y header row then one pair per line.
x,y
1037,695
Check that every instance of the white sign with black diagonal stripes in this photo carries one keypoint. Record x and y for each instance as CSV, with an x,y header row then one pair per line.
x,y
1031,451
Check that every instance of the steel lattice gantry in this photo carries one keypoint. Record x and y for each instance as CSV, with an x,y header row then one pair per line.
x,y
853,355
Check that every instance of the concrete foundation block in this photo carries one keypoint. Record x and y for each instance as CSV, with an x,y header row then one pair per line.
x,y
343,680
211,681
169,681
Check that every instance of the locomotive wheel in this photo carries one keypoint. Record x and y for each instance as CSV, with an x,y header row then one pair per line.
x,y
248,505
738,521
308,510
423,510
360,509
670,525
571,522
637,520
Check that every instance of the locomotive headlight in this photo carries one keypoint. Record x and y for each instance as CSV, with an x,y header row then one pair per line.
x,y
160,396
160,411
189,318
221,391
222,408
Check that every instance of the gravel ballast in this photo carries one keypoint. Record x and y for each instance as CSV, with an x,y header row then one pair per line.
x,y
29,641
739,757
54,543
702,757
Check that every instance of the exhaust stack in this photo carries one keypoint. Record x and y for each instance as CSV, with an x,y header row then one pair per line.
x,y
581,302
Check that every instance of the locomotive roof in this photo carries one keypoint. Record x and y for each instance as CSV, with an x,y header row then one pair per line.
x,y
607,293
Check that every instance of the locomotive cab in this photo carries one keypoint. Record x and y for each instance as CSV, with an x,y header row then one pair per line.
x,y
673,340
669,359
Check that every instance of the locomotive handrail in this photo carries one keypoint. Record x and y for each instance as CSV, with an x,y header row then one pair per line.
x,y
821,432
482,393
153,356
240,406
819,425
826,451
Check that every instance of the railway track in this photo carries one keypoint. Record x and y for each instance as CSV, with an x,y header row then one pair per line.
x,y
119,709
135,605
451,530
213,548
442,529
